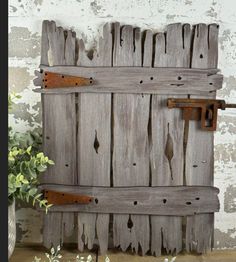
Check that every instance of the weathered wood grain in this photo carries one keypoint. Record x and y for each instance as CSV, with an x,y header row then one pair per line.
x,y
59,133
94,142
139,79
126,136
199,154
167,137
130,150
142,237
166,200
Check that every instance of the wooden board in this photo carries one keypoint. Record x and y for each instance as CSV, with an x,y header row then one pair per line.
x,y
199,154
119,133
59,133
94,143
167,156
137,80
172,200
130,142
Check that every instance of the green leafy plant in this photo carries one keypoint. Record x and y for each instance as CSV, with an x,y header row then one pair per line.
x,y
25,164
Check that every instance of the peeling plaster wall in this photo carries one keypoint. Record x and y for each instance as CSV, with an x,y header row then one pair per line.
x,y
86,17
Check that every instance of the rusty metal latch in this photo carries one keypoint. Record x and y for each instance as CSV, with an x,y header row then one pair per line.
x,y
55,80
62,198
204,110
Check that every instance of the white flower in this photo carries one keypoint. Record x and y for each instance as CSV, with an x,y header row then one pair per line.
x,y
58,248
52,251
173,259
37,259
47,255
107,259
89,258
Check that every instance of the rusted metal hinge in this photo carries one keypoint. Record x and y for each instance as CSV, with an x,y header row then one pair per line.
x,y
204,110
55,80
62,198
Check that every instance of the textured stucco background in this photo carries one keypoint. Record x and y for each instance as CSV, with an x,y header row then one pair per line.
x,y
86,17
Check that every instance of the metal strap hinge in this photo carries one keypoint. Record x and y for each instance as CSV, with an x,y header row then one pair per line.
x,y
62,198
55,80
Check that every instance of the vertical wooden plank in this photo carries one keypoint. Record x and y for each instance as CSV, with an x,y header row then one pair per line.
x,y
59,133
130,145
68,219
94,143
167,127
199,154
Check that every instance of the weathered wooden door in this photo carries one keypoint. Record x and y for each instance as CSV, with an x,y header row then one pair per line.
x,y
150,174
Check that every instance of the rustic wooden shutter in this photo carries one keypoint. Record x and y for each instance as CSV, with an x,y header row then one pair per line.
x,y
149,172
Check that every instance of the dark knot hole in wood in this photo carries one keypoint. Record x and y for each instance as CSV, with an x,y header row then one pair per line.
x,y
201,56
164,200
169,152
96,200
179,77
130,223
134,164
197,198
188,203
96,142
141,81
135,203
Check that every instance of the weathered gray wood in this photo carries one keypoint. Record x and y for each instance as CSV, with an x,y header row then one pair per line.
x,y
94,142
199,154
133,136
59,138
130,150
52,222
166,200
142,237
59,133
167,137
127,79
171,49
44,44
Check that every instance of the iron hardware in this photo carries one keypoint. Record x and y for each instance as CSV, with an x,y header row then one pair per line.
x,y
62,198
204,110
55,80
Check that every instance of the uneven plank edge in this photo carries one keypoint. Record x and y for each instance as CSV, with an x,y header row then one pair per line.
x,y
137,80
166,200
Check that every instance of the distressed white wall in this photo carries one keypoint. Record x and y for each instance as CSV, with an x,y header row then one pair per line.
x,y
86,17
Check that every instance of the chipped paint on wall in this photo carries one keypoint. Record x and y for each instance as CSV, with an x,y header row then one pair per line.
x,y
22,43
230,199
86,18
28,225
225,240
